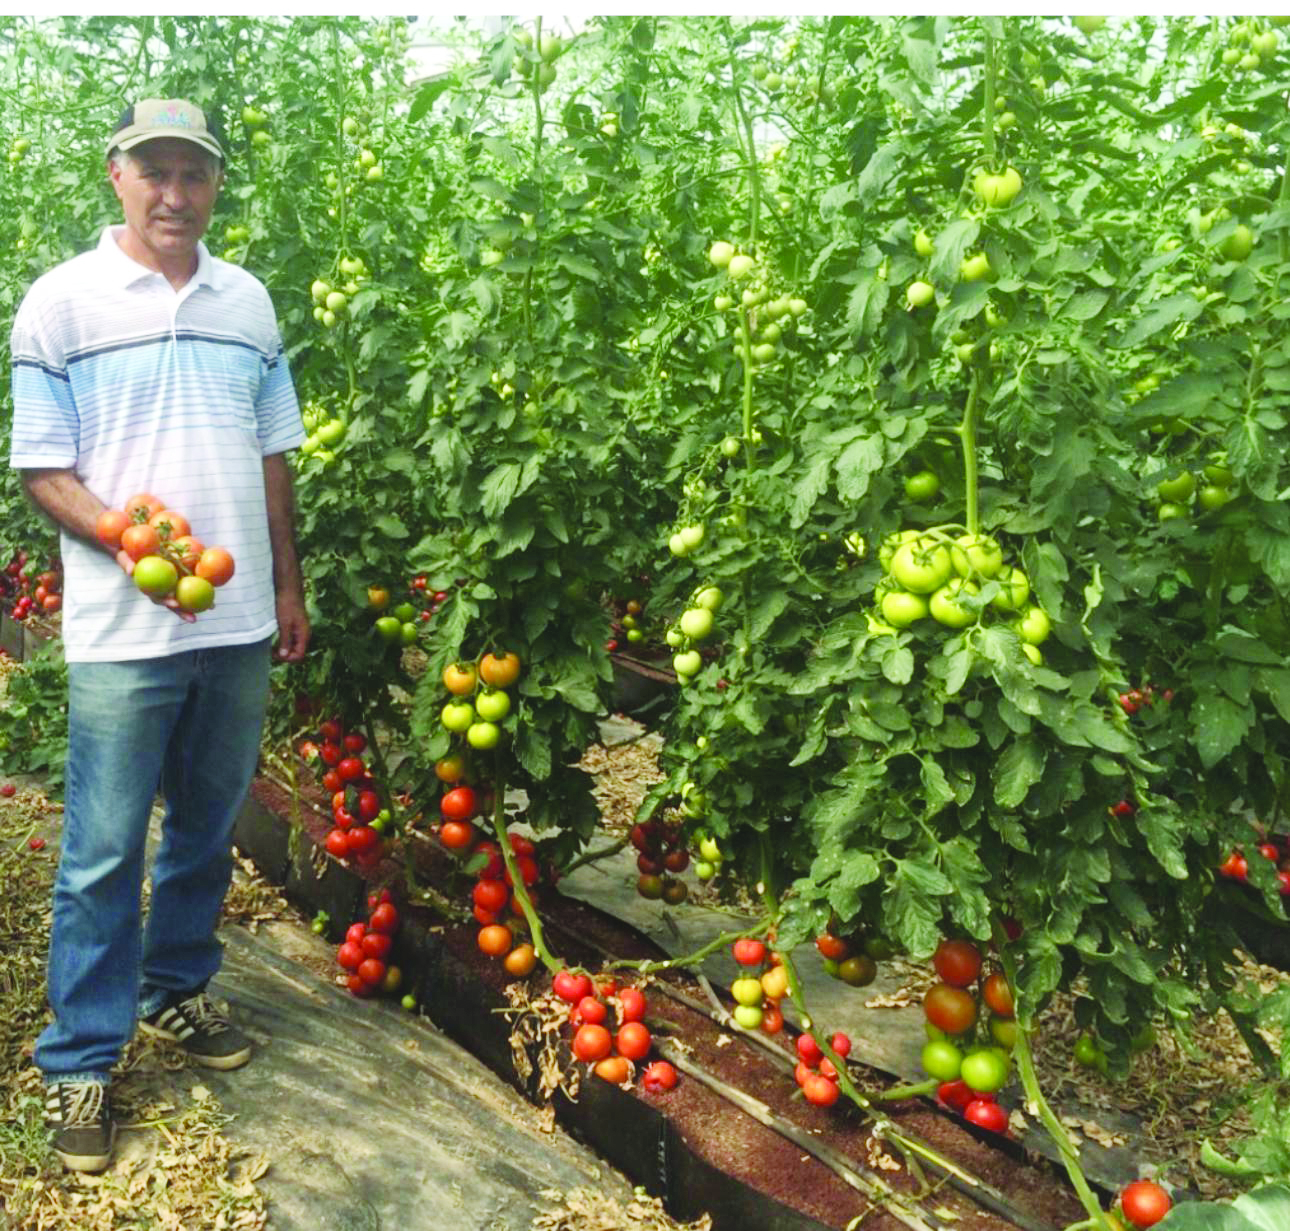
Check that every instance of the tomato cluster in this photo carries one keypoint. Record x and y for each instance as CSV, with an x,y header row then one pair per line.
x,y
609,1030
361,815
852,958
971,1069
757,993
1145,695
628,614
397,625
478,712
364,952
816,1074
21,597
661,857
695,625
1212,491
1275,848
494,904
326,431
168,560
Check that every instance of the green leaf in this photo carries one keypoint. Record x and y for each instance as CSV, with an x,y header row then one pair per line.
x,y
1017,770
1160,316
856,869
1218,726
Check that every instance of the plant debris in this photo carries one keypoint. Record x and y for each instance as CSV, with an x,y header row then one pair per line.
x,y
587,1210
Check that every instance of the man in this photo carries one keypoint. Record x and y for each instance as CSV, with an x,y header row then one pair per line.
x,y
146,365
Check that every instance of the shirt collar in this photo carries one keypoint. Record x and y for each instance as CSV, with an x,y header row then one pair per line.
x,y
124,271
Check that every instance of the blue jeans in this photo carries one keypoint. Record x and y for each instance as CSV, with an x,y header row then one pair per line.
x,y
191,724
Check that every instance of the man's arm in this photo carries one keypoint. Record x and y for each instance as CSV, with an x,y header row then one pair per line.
x,y
63,497
288,585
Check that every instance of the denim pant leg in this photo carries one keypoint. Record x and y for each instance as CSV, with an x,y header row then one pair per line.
x,y
208,769
120,717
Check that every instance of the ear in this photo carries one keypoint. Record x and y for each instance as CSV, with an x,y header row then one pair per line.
x,y
114,175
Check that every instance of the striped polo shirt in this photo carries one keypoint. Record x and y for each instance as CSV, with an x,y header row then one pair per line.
x,y
141,388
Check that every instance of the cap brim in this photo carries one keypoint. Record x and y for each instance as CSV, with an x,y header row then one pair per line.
x,y
206,143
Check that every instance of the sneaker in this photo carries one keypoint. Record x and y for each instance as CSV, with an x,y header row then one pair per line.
x,y
81,1119
202,1030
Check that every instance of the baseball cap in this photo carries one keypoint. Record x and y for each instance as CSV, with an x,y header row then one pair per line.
x,y
151,118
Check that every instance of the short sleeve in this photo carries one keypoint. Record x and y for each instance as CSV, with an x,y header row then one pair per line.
x,y
46,428
277,410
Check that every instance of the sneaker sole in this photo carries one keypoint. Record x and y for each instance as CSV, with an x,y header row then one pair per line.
x,y
234,1060
89,1162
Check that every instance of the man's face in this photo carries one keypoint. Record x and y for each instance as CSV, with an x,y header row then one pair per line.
x,y
167,188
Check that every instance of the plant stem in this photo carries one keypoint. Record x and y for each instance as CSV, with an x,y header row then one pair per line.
x,y
967,436
987,110
549,960
693,959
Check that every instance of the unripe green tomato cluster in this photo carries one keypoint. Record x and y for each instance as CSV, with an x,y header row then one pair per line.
x,y
1249,47
1174,494
930,574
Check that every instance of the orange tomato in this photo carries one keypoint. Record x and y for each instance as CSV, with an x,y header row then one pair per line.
x,y
520,961
143,501
613,1069
140,540
495,939
499,672
459,679
188,549
177,522
457,835
215,565
109,527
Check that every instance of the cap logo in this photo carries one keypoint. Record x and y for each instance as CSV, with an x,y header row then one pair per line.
x,y
173,116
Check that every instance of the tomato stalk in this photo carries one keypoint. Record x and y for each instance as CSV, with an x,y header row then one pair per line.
x,y
987,108
1038,1105
966,432
518,887
1283,199
695,958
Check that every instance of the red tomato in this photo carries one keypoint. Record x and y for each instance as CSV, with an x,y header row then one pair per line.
x,y
957,962
631,1004
362,838
820,1090
634,1040
485,917
330,730
356,932
376,944
331,753
354,742
592,1042
840,1044
832,948
1144,1203
955,1094
458,804
385,918
338,844
492,895
331,781
1234,867
986,1114
749,952
456,835
658,1076
571,987
802,1072
949,1008
350,955
350,768
369,805
371,970
591,1010
998,995
772,1019
520,845
808,1050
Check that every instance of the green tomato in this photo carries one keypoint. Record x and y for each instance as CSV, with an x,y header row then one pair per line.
x,y
1034,653
888,548
721,254
483,735
493,704
901,609
704,870
974,268
1239,244
389,628
1003,1030
922,566
747,990
1088,1053
923,244
688,663
697,624
1213,498
1014,590
709,850
709,598
945,605
1178,489
740,266
457,715
404,612
942,1060
984,1071
919,294
332,432
922,486
155,576
981,554
1171,512
748,1016
674,638
1218,475
1034,626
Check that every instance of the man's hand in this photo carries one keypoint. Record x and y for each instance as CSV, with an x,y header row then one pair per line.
x,y
188,617
293,628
